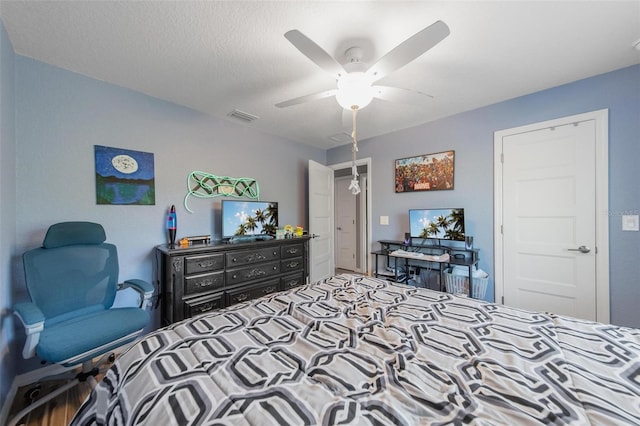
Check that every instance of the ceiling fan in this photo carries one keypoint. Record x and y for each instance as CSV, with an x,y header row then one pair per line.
x,y
355,88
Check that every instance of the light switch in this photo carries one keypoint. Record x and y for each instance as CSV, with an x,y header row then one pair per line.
x,y
384,220
630,222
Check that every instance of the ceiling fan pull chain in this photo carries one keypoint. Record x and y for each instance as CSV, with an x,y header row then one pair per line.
x,y
354,187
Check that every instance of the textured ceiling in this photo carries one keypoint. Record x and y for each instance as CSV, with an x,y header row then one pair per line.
x,y
217,56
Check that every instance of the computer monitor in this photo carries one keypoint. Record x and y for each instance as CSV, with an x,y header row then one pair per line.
x,y
441,224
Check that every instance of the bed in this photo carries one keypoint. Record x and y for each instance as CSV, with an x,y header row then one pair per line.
x,y
359,350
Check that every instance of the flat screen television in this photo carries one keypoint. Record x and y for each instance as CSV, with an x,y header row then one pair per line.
x,y
241,217
441,224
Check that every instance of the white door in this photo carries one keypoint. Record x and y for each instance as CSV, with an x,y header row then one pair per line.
x,y
346,233
549,238
321,258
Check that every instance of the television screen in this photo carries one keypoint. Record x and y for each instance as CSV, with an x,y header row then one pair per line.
x,y
443,224
240,217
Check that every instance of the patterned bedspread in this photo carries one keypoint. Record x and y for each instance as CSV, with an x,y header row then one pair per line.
x,y
362,351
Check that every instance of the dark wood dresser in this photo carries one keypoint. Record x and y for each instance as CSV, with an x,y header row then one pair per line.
x,y
200,278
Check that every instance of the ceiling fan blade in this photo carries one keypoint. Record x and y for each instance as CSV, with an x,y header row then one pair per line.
x,y
314,52
409,50
307,98
402,96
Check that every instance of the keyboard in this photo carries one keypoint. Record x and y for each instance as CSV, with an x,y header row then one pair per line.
x,y
422,256
404,253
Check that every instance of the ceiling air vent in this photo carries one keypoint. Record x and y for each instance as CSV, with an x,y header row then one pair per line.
x,y
244,116
341,137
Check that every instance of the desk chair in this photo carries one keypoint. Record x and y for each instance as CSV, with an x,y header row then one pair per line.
x,y
72,281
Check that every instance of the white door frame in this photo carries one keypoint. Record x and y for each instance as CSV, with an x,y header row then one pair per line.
x,y
364,254
601,118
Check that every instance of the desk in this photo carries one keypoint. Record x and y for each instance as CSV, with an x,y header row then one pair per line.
x,y
440,255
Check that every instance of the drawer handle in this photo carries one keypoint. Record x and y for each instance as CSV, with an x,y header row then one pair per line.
x,y
292,250
256,273
292,264
206,264
292,283
204,283
205,307
255,256
242,297
269,290
275,253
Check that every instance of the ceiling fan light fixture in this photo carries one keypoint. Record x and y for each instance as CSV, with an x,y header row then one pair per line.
x,y
354,91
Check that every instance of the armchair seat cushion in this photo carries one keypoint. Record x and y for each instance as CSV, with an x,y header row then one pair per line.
x,y
83,334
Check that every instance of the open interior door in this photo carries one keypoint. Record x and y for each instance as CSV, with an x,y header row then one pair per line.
x,y
321,256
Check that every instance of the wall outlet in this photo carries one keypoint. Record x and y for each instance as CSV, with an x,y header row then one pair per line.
x,y
384,220
630,222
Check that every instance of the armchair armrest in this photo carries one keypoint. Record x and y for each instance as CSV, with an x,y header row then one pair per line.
x,y
32,320
144,288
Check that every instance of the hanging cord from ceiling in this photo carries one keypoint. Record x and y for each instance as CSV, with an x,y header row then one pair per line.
x,y
354,187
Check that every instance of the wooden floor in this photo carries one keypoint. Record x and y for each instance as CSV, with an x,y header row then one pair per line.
x,y
345,271
57,412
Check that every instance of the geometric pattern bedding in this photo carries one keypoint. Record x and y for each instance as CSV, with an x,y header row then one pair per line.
x,y
354,350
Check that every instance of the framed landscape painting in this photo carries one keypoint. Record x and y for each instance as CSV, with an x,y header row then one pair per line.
x,y
124,176
428,172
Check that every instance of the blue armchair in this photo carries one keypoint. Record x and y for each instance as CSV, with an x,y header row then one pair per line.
x,y
72,281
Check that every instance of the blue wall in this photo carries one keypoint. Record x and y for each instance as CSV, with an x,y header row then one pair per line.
x,y
7,209
60,115
470,134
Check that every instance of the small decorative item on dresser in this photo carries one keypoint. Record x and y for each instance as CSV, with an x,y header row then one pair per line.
x,y
288,231
198,239
172,225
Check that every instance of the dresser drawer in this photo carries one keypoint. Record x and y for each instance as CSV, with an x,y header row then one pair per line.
x,y
293,280
292,250
203,282
203,263
200,305
244,257
253,272
292,264
254,291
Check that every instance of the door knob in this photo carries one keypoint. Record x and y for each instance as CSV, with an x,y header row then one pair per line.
x,y
581,249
